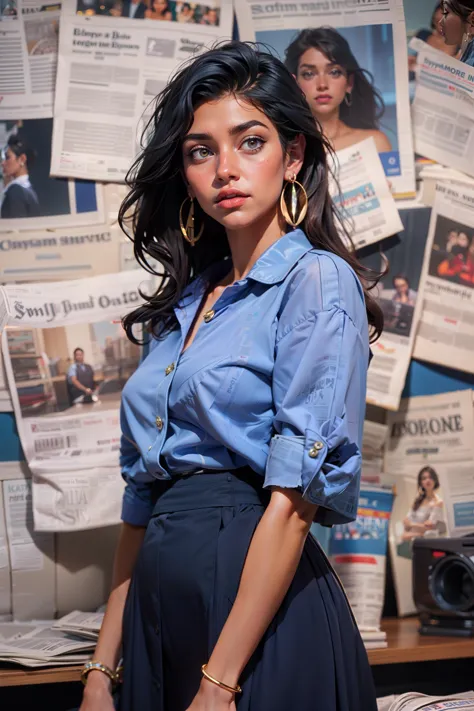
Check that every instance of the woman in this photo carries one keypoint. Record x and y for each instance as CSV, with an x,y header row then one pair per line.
x,y
402,293
341,95
19,198
457,249
185,13
433,37
159,10
426,513
243,424
457,27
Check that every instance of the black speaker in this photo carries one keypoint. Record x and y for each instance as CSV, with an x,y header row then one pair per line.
x,y
443,585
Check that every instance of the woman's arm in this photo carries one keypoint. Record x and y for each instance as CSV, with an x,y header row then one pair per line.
x,y
270,566
107,651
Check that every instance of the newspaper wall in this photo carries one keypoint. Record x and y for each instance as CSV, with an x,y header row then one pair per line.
x,y
113,61
376,34
358,553
5,399
362,195
446,332
35,200
443,110
31,555
28,58
430,446
5,574
375,435
60,333
59,254
399,295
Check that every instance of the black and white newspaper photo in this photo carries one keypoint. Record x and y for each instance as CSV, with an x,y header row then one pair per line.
x,y
430,453
446,331
351,62
114,59
399,295
362,195
67,360
29,198
60,254
29,32
443,109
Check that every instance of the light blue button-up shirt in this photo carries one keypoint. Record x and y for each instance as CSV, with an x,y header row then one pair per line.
x,y
275,380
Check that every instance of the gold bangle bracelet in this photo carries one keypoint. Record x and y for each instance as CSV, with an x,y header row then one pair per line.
x,y
92,666
233,689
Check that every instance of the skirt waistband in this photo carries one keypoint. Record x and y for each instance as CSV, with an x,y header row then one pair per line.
x,y
209,489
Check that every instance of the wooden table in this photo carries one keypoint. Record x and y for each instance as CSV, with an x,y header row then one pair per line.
x,y
404,645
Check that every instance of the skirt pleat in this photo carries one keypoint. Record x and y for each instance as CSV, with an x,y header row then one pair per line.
x,y
311,657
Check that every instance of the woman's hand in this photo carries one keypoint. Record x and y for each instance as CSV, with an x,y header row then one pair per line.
x,y
210,697
97,694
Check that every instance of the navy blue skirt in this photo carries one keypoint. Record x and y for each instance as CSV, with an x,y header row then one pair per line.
x,y
184,584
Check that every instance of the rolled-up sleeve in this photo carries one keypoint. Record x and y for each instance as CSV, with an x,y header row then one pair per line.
x,y
137,503
319,385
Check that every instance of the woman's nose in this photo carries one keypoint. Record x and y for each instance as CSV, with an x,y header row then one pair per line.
x,y
228,166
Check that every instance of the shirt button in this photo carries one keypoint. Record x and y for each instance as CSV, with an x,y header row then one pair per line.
x,y
159,423
209,315
313,453
318,446
169,369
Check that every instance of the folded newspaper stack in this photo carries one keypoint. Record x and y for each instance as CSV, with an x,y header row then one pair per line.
x,y
81,624
420,702
46,644
374,638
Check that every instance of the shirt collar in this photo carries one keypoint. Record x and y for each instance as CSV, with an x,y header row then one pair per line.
x,y
270,268
23,180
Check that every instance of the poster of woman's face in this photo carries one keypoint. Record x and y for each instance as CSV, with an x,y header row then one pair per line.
x,y
452,256
29,197
348,78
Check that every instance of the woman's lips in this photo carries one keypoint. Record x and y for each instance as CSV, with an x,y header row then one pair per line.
x,y
323,99
236,199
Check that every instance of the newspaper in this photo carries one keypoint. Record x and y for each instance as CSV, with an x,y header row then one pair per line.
x,y
34,200
28,58
67,359
59,254
86,624
5,574
376,35
358,554
446,332
5,399
42,645
443,109
31,555
113,61
373,441
399,294
361,193
430,448
414,701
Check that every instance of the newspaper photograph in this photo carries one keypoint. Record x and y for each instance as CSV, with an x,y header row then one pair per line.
x,y
29,32
114,59
443,109
351,62
60,254
362,195
430,452
29,198
31,555
446,332
67,359
399,294
358,554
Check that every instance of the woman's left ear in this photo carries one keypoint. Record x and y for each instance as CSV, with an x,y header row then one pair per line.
x,y
296,151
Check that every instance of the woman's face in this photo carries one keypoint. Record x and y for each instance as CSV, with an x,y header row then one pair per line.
x,y
324,83
12,165
451,26
427,482
160,5
401,286
463,240
234,163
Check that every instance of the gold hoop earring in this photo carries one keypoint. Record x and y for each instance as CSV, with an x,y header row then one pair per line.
x,y
348,99
189,231
298,202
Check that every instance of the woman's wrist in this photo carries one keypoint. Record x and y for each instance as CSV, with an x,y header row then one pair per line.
x,y
97,682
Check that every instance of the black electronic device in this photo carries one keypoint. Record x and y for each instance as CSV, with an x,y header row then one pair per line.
x,y
443,585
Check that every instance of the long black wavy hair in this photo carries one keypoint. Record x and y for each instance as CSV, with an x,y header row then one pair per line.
x,y
462,9
151,209
422,496
367,105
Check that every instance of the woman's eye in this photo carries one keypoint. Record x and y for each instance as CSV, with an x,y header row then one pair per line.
x,y
336,73
199,153
307,75
253,143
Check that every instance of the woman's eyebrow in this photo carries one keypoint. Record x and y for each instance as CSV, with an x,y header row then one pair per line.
x,y
234,131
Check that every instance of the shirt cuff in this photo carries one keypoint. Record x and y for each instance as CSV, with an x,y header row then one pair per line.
x,y
135,511
324,465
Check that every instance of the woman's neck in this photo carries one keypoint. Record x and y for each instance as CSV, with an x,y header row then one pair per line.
x,y
20,173
248,244
332,126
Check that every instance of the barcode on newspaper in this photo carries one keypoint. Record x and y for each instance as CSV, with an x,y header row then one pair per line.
x,y
50,443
